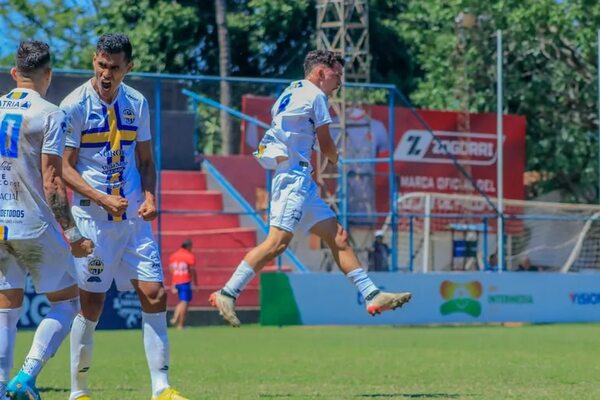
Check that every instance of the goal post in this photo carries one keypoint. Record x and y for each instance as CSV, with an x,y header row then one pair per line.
x,y
454,232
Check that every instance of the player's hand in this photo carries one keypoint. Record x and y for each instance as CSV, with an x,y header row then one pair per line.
x,y
147,210
82,248
114,205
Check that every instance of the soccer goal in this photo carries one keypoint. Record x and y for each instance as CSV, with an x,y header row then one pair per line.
x,y
449,232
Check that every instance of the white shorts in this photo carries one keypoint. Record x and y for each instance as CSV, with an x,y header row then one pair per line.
x,y
124,251
295,202
47,259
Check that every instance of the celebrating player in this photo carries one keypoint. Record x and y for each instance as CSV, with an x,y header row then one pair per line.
x,y
108,128
33,202
300,117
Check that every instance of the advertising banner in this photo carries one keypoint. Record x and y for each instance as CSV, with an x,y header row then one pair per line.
x,y
422,164
437,298
122,310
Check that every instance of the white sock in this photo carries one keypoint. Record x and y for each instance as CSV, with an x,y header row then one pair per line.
x,y
82,348
242,275
363,283
156,344
8,332
50,334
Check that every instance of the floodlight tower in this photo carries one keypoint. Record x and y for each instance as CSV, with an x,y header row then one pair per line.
x,y
343,27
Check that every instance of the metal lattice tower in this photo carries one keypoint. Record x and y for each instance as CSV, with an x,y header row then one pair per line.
x,y
343,27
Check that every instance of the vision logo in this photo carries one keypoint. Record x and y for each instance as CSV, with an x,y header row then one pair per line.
x,y
461,298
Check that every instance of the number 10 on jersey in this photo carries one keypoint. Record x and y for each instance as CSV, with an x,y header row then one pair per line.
x,y
10,127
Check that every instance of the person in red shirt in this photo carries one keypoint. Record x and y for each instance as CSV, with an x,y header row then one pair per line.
x,y
181,264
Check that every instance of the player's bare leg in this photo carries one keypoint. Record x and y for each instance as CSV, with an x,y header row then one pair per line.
x,y
336,238
274,245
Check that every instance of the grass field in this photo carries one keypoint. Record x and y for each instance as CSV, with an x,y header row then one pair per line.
x,y
483,362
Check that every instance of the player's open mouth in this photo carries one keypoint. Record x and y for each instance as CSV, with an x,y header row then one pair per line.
x,y
105,85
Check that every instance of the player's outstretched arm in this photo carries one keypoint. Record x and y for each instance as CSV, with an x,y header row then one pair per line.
x,y
145,162
56,196
115,205
327,144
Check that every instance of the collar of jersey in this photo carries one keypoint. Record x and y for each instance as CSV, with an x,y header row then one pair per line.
x,y
97,96
313,85
25,90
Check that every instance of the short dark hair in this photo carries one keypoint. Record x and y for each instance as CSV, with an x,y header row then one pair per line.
x,y
114,43
187,244
32,55
325,57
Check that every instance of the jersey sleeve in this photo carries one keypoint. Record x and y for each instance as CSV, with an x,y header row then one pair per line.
x,y
55,129
321,111
74,124
143,133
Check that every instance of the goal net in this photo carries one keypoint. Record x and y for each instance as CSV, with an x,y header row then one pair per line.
x,y
446,232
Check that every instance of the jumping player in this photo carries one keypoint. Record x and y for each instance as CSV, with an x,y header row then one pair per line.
x,y
300,117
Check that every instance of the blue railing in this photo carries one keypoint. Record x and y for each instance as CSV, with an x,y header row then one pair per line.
x,y
247,209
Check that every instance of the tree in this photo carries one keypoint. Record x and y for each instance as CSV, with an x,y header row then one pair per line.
x,y
64,24
549,53
224,67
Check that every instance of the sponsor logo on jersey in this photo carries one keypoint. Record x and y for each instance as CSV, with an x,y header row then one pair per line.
x,y
128,116
95,268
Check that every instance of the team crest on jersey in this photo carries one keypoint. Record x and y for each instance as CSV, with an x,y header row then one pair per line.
x,y
128,116
95,268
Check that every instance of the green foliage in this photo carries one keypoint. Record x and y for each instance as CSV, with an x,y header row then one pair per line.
x,y
164,33
64,24
549,76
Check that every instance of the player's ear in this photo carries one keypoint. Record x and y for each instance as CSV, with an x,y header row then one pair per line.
x,y
13,73
129,66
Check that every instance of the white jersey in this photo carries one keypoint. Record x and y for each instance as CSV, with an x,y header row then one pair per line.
x,y
29,126
106,136
297,113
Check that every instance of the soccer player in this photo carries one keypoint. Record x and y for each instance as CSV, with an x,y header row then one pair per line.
x,y
113,202
300,117
33,209
181,263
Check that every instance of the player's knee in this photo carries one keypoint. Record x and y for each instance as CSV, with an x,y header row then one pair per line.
x,y
341,240
91,306
66,309
156,297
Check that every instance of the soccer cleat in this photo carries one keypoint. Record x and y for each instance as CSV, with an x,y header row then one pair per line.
x,y
22,387
83,397
169,394
387,301
226,306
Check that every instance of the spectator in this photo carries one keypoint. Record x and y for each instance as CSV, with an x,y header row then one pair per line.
x,y
492,265
181,263
378,254
525,266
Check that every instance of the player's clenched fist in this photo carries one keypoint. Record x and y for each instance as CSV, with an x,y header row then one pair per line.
x,y
147,210
82,248
115,205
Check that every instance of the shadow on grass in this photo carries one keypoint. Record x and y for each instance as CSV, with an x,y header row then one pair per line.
x,y
66,390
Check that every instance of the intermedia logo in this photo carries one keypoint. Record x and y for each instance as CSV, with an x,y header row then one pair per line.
x,y
418,145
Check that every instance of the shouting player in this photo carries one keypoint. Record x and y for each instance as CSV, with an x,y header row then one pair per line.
x,y
113,202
